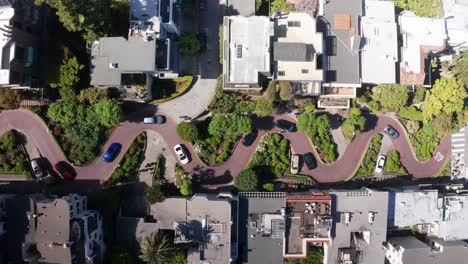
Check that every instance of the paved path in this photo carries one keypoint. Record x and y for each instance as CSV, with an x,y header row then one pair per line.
x,y
36,131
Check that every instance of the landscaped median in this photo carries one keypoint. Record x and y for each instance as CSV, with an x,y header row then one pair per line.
x,y
167,89
13,159
130,162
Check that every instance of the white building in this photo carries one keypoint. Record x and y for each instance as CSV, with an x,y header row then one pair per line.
x,y
456,19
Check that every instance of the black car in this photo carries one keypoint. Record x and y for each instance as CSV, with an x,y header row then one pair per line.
x,y
286,125
202,40
250,138
392,131
310,161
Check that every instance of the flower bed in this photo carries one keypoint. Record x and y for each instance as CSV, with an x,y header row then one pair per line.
x,y
12,156
272,156
129,164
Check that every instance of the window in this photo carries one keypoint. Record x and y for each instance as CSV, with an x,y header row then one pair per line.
x,y
304,71
239,51
294,23
281,73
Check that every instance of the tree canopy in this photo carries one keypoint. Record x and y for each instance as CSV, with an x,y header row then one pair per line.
x,y
109,112
187,131
69,73
189,44
156,249
9,99
246,181
286,91
390,96
264,107
447,96
232,125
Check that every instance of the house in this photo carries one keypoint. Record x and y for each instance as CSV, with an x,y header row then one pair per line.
x,y
452,225
262,225
150,49
21,23
247,51
63,230
359,226
203,223
297,52
457,23
408,249
420,36
342,46
379,54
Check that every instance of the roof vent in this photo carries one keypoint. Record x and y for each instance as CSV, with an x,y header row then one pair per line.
x,y
113,65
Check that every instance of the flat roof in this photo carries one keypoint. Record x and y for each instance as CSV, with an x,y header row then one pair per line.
x,y
297,45
417,32
259,248
380,52
412,208
249,48
455,217
112,56
342,45
352,211
457,22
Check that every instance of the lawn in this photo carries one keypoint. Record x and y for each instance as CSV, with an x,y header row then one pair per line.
x,y
129,164
167,89
12,156
368,162
272,156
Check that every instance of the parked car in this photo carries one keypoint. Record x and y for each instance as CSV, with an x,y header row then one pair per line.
x,y
112,152
38,170
202,40
310,161
380,164
392,131
65,170
179,150
250,138
157,119
286,125
295,164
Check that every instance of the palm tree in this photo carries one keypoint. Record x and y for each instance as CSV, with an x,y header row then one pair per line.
x,y
156,249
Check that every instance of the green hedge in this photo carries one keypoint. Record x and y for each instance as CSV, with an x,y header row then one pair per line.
x,y
187,80
272,156
411,113
393,164
129,164
13,159
370,158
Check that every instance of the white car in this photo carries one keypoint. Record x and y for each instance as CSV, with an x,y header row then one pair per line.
x,y
294,164
380,164
179,150
38,172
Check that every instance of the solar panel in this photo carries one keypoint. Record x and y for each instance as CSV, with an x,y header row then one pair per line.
x,y
277,228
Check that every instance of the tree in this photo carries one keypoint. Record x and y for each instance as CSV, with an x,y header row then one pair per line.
x,y
390,96
419,94
187,131
189,44
92,95
286,91
109,112
180,257
63,112
8,141
447,96
281,5
442,123
264,107
313,125
233,125
270,92
69,71
154,195
246,181
269,187
67,94
9,99
354,124
462,118
183,181
460,68
156,249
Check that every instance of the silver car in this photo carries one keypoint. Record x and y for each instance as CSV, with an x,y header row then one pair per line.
x,y
157,119
37,170
294,164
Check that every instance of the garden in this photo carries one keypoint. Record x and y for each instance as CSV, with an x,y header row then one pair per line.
x,y
317,128
130,162
271,156
183,181
230,103
393,164
167,89
370,158
13,159
354,124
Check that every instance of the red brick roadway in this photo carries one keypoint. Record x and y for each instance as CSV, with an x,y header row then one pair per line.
x,y
37,132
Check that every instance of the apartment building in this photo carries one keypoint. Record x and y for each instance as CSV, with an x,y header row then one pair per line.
x,y
149,49
21,26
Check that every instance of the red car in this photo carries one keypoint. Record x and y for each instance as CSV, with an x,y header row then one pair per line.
x,y
65,170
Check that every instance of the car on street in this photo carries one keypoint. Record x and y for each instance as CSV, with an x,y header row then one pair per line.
x,y
112,152
250,138
380,164
157,119
65,170
286,125
295,164
180,152
38,170
202,40
310,161
391,131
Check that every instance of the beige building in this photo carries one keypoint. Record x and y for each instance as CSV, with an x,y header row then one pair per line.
x,y
297,48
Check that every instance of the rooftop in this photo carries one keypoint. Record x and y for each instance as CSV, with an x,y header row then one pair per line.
x,y
360,226
411,208
112,56
7,45
457,22
296,48
248,50
262,226
455,217
380,53
340,26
